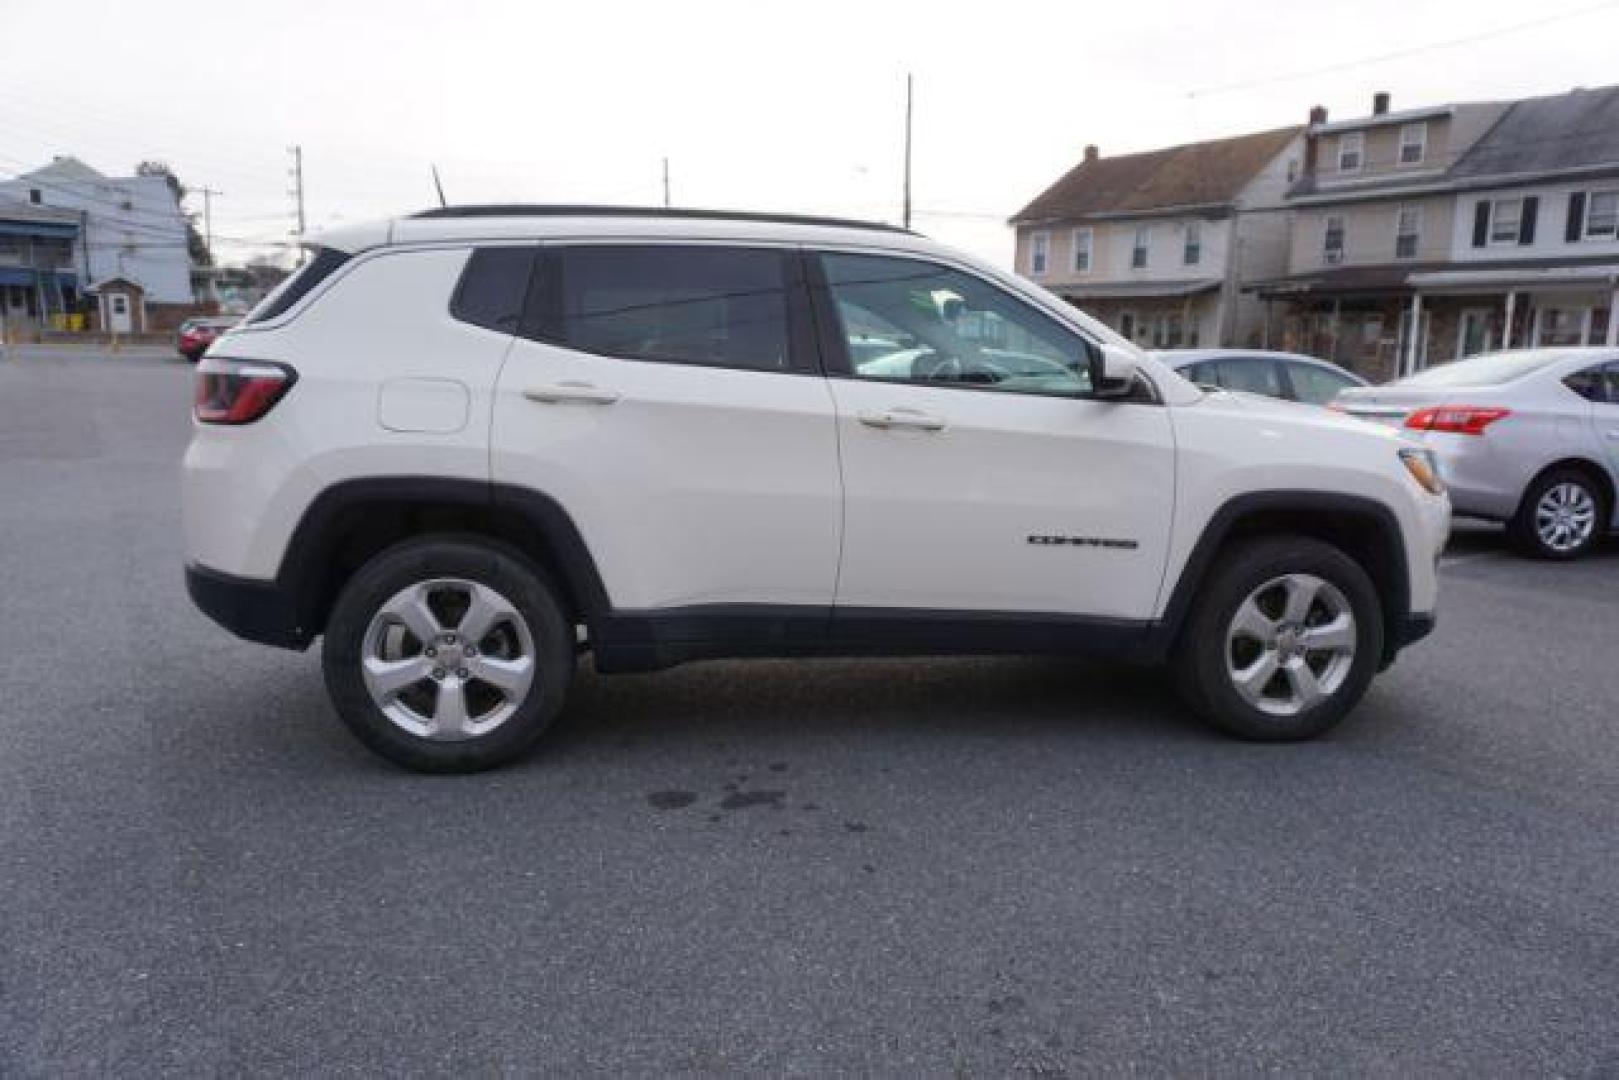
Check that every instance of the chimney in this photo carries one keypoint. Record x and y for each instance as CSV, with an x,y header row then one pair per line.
x,y
1092,153
1380,103
1318,114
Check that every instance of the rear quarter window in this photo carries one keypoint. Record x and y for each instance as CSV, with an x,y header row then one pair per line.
x,y
321,266
492,288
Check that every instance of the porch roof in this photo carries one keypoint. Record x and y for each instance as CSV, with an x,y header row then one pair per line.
x,y
1402,279
1136,290
29,277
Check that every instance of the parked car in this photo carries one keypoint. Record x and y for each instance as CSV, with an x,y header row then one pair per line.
x,y
465,445
195,335
1288,376
1530,438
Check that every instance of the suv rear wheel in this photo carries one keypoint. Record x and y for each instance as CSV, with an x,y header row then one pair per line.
x,y
448,655
1283,640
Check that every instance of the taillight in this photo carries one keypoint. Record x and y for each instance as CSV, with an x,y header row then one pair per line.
x,y
239,391
1457,419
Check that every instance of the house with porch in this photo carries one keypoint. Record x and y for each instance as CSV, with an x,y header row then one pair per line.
x,y
1441,232
40,264
1157,244
124,228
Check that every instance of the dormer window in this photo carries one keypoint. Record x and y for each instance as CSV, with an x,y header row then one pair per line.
x,y
1351,151
1413,144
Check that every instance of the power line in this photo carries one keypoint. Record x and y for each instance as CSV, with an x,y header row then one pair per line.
x,y
1401,54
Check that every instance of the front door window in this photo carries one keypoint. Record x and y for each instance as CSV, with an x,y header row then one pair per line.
x,y
910,321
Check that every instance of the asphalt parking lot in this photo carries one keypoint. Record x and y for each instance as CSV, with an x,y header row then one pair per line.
x,y
896,867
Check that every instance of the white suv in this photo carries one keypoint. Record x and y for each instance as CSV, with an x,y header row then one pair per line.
x,y
467,445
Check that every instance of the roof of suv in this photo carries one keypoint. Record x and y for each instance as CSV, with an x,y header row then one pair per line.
x,y
524,222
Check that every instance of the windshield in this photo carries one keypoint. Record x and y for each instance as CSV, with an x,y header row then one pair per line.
x,y
1492,370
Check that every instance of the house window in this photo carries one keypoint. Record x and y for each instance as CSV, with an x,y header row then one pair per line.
x,y
1333,245
1561,326
34,196
1138,253
1127,325
1351,150
1505,217
1193,253
1407,232
1082,250
1292,169
1602,215
1166,332
1413,143
1039,252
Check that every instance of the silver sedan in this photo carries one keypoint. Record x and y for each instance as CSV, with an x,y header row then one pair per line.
x,y
1288,376
1530,438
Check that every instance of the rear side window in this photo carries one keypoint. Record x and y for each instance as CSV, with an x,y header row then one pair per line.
x,y
1316,385
1248,374
719,306
1588,384
322,266
492,288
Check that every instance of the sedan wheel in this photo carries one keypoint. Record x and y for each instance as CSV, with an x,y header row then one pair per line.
x,y
1562,516
1565,517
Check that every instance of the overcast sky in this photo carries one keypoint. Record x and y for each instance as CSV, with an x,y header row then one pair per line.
x,y
758,105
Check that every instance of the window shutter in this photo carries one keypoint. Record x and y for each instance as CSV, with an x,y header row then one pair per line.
x,y
1526,227
1481,223
1576,217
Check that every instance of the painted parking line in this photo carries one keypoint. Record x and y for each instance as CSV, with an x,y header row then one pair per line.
x,y
1474,556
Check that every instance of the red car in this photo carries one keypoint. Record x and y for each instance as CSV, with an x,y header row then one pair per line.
x,y
197,334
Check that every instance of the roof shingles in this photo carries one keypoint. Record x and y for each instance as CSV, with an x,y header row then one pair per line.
x,y
1197,174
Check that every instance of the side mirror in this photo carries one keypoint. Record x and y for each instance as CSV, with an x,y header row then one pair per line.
x,y
1113,371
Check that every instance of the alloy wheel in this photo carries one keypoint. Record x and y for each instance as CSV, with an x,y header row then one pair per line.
x,y
1565,517
1291,644
448,659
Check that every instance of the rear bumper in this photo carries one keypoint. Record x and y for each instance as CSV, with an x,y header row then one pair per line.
x,y
258,611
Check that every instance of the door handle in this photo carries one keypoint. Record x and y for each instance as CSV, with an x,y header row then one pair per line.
x,y
563,392
903,418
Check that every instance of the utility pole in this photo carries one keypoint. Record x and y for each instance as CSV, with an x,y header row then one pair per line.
x,y
666,181
907,215
297,194
208,219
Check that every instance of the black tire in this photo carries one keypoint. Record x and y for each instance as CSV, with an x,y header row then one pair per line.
x,y
1526,536
1202,653
471,559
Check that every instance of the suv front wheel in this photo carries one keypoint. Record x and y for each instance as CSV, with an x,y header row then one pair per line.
x,y
448,655
1283,640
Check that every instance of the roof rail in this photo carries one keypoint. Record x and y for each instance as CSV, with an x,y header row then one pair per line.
x,y
565,210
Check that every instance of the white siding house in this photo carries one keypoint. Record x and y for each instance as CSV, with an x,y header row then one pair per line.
x,y
133,227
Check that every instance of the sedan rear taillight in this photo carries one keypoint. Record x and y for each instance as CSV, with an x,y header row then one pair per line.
x,y
1457,419
239,391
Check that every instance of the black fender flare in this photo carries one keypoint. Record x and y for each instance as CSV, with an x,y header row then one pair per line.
x,y
1395,591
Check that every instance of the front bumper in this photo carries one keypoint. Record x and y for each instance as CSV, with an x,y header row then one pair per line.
x,y
260,611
